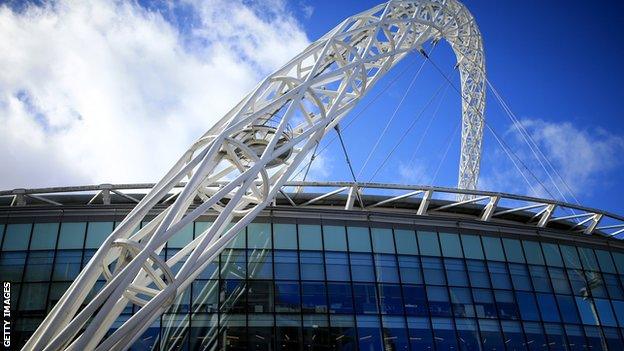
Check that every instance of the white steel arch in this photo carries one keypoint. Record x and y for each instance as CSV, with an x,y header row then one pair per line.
x,y
240,164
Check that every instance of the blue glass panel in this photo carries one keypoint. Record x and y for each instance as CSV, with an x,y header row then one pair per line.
x,y
259,236
420,333
618,258
507,308
334,238
383,242
513,250
559,280
461,299
285,236
205,296
467,334
286,264
533,252
588,259
342,333
596,284
493,248
33,297
365,297
613,286
390,299
499,276
556,337
362,267
540,279
337,266
411,272
567,307
359,239
260,296
313,297
406,242
312,267
259,264
415,300
16,237
97,232
233,264
594,338
310,237
178,240
604,261
552,255
450,244
72,235
287,297
618,307
394,333
587,310
484,303
439,301
44,236
433,271
456,272
491,336
570,256
472,246
576,338
12,266
386,268
444,332
520,277
67,265
548,307
527,306
39,266
288,332
605,313
477,272
428,243
340,298
613,338
369,333
577,282
535,337
514,339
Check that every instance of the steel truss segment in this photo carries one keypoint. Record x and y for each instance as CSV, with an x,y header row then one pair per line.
x,y
238,167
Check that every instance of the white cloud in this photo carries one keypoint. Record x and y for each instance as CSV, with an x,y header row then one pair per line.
x,y
103,91
583,157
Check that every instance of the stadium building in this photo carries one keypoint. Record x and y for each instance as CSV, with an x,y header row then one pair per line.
x,y
408,269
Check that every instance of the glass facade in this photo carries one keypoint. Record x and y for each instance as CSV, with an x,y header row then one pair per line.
x,y
326,286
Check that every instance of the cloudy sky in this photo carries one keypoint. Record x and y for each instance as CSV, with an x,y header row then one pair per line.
x,y
113,91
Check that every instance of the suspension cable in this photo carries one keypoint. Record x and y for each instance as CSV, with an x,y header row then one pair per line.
x,y
344,149
448,147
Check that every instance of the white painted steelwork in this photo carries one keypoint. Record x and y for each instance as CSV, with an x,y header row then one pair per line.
x,y
238,167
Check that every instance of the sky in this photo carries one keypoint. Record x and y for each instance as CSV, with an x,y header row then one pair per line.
x,y
113,92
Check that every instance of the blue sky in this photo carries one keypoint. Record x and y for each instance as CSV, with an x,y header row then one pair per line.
x,y
96,90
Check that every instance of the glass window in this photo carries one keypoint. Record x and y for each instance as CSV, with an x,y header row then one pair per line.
x,y
559,280
594,338
444,332
588,259
533,252
433,271
536,340
520,277
539,276
233,264
259,235
386,268
260,331
439,301
415,300
605,313
16,237
390,299
556,337
428,243
67,265
587,310
507,308
97,232
451,247
513,250
337,266
56,292
312,267
259,296
201,227
12,266
362,267
596,284
286,264
548,307
570,256
369,335
394,333
406,242
179,239
468,334
618,257
285,236
366,296
239,241
491,336
39,266
577,282
1,233
604,261
313,297
461,298
342,333
514,339
203,334
315,333
472,246
618,307
493,248
288,333
359,239
410,269
613,339
44,236
478,274
340,297
551,252
613,286
205,296
287,297
383,242
499,275
527,306
567,307
259,264
484,303
420,333
33,297
310,237
334,238
234,332
455,272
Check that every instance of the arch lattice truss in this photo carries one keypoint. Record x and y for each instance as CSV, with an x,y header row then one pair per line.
x,y
239,165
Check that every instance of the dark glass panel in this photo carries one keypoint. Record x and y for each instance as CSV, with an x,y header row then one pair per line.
x,y
556,337
337,266
559,280
33,297
461,299
596,284
472,246
428,243
56,292
587,310
286,264
527,306
314,297
174,332
520,277
439,301
97,232
205,296
433,271
535,337
415,300
578,282
16,237
362,267
316,333
484,303
288,333
444,333
365,297
406,242
260,296
507,308
456,272
411,271
340,297
467,335
182,302
394,334
493,248
604,261
513,250
514,338
310,237
386,268
420,336
588,259
312,267
334,238
533,252
260,264
594,338
618,307
548,307
72,235
287,296
12,265
613,286
570,257
612,338
149,339
342,335
66,265
285,236
232,296
260,332
234,333
567,307
390,299
204,330
369,333
491,337
499,275
477,274
576,338
552,255
451,246
605,313
39,266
